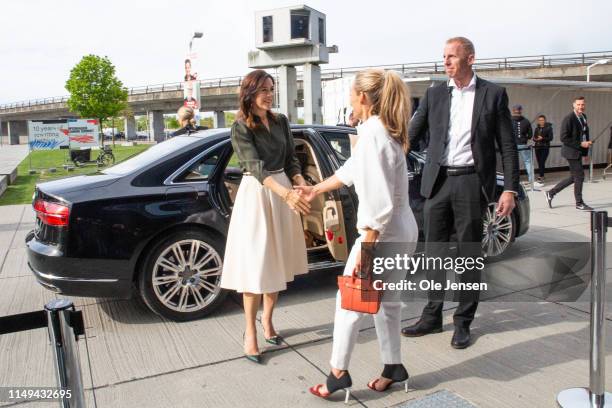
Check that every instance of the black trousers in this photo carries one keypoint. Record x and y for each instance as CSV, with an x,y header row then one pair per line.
x,y
576,177
541,154
457,204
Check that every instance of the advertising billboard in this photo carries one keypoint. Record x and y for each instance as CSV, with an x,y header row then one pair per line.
x,y
47,134
191,85
83,133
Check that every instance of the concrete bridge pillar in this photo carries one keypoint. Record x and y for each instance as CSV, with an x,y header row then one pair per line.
x,y
219,119
3,132
156,126
287,95
17,129
130,127
312,94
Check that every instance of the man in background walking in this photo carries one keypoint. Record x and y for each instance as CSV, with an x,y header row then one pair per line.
x,y
576,144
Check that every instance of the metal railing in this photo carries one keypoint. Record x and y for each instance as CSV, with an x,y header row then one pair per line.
x,y
412,68
595,395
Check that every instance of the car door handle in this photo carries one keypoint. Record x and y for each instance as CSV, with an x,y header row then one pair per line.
x,y
182,191
233,177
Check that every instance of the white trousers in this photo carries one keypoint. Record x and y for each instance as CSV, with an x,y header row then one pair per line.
x,y
347,323
346,330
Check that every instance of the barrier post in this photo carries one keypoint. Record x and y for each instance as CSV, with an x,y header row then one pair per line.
x,y
590,164
65,351
595,395
532,165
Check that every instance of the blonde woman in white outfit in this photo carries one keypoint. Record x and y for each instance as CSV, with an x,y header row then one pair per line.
x,y
377,169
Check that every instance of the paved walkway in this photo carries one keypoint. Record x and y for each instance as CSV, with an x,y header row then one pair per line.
x,y
10,157
523,353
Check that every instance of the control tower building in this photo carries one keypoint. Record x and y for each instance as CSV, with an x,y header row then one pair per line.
x,y
288,37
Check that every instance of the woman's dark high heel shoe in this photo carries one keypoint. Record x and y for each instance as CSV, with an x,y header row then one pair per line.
x,y
334,384
394,372
256,358
276,340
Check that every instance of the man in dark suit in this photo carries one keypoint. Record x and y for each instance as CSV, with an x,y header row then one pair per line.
x,y
465,119
576,143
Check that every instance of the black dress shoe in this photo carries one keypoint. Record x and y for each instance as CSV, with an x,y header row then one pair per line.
x,y
421,329
461,337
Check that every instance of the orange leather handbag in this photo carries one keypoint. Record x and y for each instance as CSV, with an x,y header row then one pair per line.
x,y
357,293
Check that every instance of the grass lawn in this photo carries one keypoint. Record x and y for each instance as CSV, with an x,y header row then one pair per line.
x,y
20,192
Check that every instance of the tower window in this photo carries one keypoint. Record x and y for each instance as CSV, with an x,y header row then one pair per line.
x,y
267,29
300,24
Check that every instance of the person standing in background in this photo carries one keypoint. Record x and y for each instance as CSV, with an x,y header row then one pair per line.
x,y
521,129
542,136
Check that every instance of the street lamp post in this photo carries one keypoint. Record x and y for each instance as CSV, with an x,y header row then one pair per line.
x,y
600,62
197,34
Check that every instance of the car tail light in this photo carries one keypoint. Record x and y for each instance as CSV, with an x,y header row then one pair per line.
x,y
340,240
329,234
52,213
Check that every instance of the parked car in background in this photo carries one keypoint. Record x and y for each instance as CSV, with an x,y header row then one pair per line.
x,y
118,136
157,223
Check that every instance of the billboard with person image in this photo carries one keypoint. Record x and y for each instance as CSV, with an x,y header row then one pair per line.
x,y
191,85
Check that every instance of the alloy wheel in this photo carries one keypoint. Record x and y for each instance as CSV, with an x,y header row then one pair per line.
x,y
187,276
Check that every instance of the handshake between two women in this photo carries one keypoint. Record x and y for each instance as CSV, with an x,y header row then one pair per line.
x,y
300,197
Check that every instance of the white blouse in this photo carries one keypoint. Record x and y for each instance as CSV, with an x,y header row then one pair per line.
x,y
377,168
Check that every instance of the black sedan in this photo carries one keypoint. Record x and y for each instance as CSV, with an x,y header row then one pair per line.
x,y
158,221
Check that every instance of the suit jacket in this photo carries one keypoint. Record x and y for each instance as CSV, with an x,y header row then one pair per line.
x,y
491,126
571,136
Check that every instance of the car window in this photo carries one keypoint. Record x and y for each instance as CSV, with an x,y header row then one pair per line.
x,y
340,142
153,154
157,153
233,161
200,170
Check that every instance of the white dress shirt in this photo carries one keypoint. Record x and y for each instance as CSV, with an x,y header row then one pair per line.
x,y
458,150
377,168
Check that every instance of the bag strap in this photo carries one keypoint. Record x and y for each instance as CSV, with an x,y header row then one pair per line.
x,y
367,274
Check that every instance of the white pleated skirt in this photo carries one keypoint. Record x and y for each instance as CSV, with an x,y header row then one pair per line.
x,y
265,245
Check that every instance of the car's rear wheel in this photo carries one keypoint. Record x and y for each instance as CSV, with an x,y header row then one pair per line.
x,y
181,276
498,232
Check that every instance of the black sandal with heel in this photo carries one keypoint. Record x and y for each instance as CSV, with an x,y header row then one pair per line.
x,y
395,373
334,384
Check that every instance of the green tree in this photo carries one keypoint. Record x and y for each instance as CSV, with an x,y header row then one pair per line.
x,y
208,122
171,122
142,124
230,118
117,123
95,91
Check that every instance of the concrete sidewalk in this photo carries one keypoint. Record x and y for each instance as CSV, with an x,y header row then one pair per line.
x,y
523,353
10,157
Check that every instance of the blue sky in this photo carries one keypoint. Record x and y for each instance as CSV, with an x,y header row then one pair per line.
x,y
147,40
